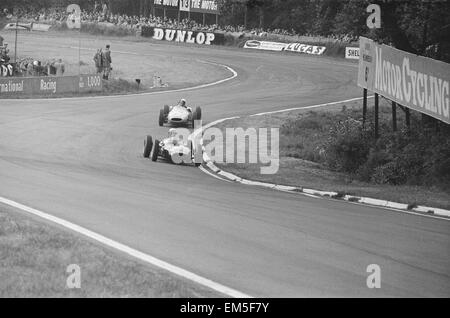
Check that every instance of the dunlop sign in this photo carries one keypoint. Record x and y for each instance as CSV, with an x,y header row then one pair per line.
x,y
416,82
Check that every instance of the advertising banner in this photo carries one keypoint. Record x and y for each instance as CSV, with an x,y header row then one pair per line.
x,y
49,85
184,36
41,27
416,82
20,26
305,48
352,53
200,6
168,4
265,45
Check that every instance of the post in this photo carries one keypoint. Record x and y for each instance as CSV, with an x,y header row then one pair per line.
x,y
376,116
164,13
178,17
408,118
15,41
204,19
217,19
245,16
394,116
79,52
364,106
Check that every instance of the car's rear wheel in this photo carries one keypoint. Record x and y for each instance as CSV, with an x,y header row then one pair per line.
x,y
166,110
148,145
197,164
161,117
198,113
155,153
192,121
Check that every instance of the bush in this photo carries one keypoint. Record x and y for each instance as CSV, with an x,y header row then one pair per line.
x,y
337,139
348,146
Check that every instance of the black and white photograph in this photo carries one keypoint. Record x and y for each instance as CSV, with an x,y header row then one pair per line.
x,y
202,153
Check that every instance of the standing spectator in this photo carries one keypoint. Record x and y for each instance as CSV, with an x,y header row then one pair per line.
x,y
1,40
107,62
60,67
4,52
104,10
30,69
96,6
98,60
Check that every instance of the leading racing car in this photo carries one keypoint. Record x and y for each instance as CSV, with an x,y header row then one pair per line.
x,y
179,115
172,150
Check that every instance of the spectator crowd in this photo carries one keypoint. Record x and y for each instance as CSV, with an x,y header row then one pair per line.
x,y
100,13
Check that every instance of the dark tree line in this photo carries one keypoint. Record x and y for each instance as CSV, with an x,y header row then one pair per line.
x,y
413,25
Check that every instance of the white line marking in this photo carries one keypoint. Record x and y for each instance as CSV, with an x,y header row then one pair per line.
x,y
309,107
392,209
130,251
213,175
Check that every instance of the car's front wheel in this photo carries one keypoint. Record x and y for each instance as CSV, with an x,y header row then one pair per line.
x,y
161,117
148,145
198,113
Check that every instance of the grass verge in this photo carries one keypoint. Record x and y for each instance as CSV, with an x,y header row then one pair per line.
x,y
300,166
34,258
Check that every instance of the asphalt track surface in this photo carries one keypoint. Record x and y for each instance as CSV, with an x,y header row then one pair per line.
x,y
80,160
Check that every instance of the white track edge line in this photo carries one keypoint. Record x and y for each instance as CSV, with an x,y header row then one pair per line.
x,y
130,251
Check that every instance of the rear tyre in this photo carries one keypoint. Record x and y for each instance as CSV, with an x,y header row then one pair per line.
x,y
155,153
192,123
161,117
166,110
197,164
198,112
148,145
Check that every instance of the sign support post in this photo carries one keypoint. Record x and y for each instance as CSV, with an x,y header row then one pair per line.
x,y
15,40
376,116
364,106
394,116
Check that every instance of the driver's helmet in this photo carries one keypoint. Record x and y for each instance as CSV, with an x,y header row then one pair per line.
x,y
182,102
172,132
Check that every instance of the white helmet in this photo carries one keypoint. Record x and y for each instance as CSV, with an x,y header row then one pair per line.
x,y
172,132
182,102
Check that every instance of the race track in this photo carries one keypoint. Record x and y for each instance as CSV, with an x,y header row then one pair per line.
x,y
80,159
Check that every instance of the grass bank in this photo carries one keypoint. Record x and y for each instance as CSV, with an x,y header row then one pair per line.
x,y
34,258
305,160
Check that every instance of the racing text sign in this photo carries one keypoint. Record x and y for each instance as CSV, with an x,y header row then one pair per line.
x,y
416,82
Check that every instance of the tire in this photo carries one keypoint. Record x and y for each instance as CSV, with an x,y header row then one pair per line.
x,y
155,153
192,123
161,118
166,110
198,112
148,145
197,164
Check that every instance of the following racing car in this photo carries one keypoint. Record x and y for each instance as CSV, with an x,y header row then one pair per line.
x,y
179,115
172,150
